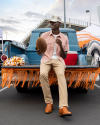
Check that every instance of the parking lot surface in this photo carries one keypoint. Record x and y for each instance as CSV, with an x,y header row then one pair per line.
x,y
28,108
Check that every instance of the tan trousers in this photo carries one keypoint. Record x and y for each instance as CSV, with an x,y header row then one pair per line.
x,y
59,69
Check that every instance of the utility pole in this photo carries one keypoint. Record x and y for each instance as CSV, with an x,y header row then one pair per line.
x,y
64,15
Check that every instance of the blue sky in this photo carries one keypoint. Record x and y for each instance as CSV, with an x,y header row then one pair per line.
x,y
19,17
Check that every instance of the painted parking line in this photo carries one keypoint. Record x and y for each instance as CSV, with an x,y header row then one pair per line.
x,y
97,86
4,88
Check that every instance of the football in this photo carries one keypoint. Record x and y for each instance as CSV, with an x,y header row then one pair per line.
x,y
41,44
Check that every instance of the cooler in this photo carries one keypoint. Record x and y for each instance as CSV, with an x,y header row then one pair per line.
x,y
71,58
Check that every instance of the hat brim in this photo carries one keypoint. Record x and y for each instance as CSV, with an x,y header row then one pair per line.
x,y
53,21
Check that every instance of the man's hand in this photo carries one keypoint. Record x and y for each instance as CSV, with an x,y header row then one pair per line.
x,y
38,51
58,41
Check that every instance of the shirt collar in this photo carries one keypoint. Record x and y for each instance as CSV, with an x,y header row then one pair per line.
x,y
52,33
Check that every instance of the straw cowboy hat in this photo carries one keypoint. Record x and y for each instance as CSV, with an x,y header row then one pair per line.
x,y
54,19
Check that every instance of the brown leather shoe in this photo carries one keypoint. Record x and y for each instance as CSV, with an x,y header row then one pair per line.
x,y
49,108
64,112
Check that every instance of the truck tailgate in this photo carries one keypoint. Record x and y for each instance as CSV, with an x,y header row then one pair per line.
x,y
82,75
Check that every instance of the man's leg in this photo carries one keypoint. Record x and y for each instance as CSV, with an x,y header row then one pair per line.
x,y
59,69
44,69
63,95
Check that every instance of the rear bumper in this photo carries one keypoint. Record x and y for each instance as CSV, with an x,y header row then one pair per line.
x,y
38,66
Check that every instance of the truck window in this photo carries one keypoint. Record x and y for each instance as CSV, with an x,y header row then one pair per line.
x,y
66,34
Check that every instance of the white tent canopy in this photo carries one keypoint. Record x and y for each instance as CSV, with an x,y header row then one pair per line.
x,y
94,30
88,34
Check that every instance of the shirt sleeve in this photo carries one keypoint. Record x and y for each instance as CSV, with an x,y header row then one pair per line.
x,y
66,48
43,35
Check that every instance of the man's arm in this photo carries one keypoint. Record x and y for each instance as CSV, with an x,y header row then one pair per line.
x,y
63,53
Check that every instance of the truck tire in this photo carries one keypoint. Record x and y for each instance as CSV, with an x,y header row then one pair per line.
x,y
22,89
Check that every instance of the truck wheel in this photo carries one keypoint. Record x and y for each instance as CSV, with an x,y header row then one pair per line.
x,y
20,89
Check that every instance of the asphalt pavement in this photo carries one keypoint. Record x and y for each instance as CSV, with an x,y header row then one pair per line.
x,y
28,108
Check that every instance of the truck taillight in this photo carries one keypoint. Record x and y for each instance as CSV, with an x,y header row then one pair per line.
x,y
4,57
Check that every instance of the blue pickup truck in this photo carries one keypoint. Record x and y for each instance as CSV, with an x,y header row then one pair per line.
x,y
32,59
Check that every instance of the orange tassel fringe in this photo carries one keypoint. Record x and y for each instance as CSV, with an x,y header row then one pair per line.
x,y
75,77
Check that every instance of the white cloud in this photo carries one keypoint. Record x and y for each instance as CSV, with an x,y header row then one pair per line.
x,y
71,2
33,14
9,21
7,10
